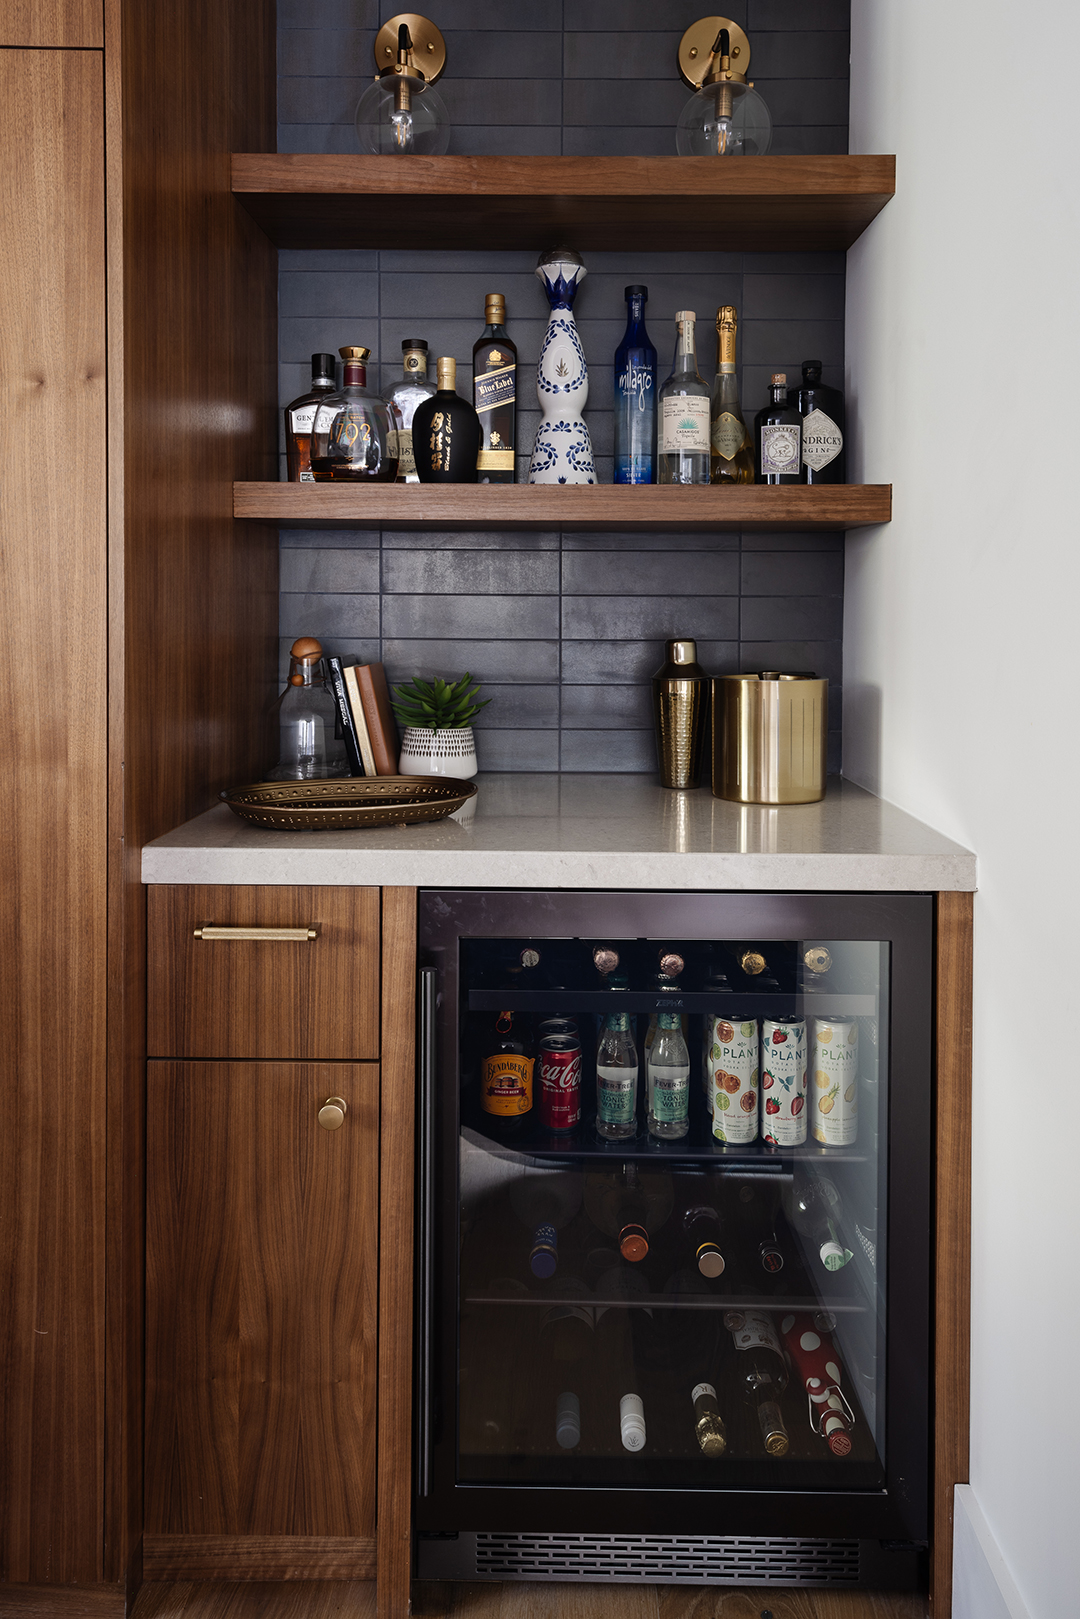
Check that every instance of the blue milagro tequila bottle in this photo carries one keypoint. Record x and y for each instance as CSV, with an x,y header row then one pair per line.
x,y
635,396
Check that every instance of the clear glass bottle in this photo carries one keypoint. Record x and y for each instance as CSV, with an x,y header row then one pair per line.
x,y
668,1076
300,416
684,413
312,743
352,436
495,394
402,397
778,436
616,1079
635,396
732,446
446,432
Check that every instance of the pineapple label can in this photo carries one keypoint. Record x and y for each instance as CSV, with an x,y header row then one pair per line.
x,y
834,1088
783,1081
731,1060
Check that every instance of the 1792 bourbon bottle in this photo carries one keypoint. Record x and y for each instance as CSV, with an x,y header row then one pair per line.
x,y
495,394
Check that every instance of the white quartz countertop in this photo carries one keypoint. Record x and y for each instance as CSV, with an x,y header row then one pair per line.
x,y
587,831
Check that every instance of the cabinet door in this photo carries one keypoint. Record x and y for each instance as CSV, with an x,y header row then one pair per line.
x,y
262,1239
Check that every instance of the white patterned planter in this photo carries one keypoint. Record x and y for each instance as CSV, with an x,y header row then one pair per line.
x,y
562,452
438,753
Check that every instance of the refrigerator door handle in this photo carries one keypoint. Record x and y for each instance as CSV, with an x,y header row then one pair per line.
x,y
426,1267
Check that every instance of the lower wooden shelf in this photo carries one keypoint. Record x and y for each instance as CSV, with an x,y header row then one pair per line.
x,y
578,506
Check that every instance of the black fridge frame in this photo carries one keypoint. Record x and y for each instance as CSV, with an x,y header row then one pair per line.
x,y
898,1512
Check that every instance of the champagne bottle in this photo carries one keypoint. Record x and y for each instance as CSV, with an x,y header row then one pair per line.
x,y
629,1204
684,413
732,459
545,1200
761,1373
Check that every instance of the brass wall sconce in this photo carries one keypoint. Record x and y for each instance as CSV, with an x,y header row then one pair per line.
x,y
725,117
401,112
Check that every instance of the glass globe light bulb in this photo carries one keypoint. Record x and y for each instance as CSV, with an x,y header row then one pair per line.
x,y
722,120
401,113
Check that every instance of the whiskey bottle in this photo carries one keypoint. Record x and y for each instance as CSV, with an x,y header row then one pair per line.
x,y
495,394
684,413
777,435
635,396
732,447
300,416
403,396
446,432
822,411
352,437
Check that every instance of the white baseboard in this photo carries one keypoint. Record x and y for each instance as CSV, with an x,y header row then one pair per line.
x,y
983,1588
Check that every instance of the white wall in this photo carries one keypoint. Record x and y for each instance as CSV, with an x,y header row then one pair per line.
x,y
962,675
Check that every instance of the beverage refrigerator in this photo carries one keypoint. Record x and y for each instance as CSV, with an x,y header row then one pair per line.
x,y
673,1297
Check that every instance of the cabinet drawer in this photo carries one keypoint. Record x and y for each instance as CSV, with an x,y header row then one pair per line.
x,y
225,995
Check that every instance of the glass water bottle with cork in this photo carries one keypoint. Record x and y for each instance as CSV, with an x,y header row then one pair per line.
x,y
312,745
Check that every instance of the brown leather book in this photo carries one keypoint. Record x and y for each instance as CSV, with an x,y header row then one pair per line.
x,y
379,716
356,707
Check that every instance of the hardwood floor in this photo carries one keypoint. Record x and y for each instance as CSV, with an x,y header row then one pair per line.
x,y
353,1599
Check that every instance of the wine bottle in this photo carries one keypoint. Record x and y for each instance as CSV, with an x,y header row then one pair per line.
x,y
684,413
761,1373
615,1355
755,1208
300,415
822,411
692,1342
668,1080
495,394
777,436
403,396
446,432
635,396
702,1225
732,459
629,1204
807,1339
815,1211
566,1329
616,1079
544,1201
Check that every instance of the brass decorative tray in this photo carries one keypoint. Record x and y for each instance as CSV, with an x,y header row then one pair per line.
x,y
348,802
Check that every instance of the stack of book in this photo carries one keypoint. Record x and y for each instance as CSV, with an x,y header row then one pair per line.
x,y
363,699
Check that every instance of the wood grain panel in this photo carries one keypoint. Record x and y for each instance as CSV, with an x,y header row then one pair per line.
x,y
952,1239
397,1150
759,204
258,1557
261,1300
754,507
317,999
53,805
295,1599
436,1600
62,1601
72,23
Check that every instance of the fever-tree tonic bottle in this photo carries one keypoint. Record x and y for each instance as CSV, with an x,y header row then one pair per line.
x,y
732,446
495,394
668,1076
616,1079
684,413
635,396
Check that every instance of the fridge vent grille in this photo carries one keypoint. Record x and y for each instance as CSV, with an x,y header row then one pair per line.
x,y
719,1559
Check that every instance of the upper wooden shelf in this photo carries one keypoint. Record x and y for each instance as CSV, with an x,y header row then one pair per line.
x,y
760,204
571,506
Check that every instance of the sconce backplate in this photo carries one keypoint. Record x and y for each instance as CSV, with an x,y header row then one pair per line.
x,y
429,47
697,42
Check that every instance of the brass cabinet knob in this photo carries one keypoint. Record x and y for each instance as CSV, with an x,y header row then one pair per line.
x,y
332,1113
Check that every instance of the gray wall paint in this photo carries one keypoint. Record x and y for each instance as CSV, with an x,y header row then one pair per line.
x,y
564,629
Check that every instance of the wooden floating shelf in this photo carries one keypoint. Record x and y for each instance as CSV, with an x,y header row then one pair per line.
x,y
574,506
737,204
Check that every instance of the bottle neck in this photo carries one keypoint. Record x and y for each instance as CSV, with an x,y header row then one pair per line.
x,y
725,351
325,383
355,374
306,672
778,393
685,352
414,364
635,320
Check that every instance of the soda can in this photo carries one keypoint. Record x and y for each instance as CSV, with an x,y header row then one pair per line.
x,y
557,1025
732,1060
783,1081
834,1083
560,1081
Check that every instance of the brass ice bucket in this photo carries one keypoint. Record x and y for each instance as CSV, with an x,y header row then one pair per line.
x,y
769,738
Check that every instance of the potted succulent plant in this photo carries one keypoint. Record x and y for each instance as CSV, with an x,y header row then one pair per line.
x,y
437,736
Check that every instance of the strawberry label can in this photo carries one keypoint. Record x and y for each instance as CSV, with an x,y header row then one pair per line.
x,y
783,1081
834,1085
731,1063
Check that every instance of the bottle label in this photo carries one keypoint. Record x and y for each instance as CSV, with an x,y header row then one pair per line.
x,y
636,385
752,1329
670,1094
703,1388
441,441
495,460
506,1084
306,474
780,448
685,425
406,459
615,1094
302,420
822,440
728,435
415,364
494,388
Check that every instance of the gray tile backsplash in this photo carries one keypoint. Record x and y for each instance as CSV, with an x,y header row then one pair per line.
x,y
564,629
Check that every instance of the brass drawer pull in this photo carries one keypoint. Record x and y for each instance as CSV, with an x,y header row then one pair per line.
x,y
259,935
332,1113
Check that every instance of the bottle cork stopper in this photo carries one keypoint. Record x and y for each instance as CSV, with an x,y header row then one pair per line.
x,y
685,314
307,648
779,379
358,355
446,370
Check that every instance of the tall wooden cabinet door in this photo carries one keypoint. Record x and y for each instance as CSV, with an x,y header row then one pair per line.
x,y
53,827
261,1249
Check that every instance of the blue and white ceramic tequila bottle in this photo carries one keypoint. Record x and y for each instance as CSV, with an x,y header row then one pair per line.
x,y
635,396
563,451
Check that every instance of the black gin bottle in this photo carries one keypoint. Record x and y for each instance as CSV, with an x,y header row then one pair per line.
x,y
822,412
777,434
446,432
495,394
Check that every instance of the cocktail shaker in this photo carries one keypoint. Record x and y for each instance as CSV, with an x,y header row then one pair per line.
x,y
680,706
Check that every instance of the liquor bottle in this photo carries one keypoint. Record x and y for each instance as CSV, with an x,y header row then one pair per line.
x,y
352,437
808,1341
615,1355
616,1079
300,416
446,432
506,1071
684,413
403,396
495,394
761,1373
815,1212
702,1226
635,396
629,1204
311,739
545,1201
822,411
777,436
667,1072
732,458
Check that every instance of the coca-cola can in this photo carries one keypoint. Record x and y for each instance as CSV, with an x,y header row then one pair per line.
x,y
560,1081
557,1025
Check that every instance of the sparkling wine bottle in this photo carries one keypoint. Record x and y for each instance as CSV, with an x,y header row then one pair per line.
x,y
635,396
684,412
732,445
